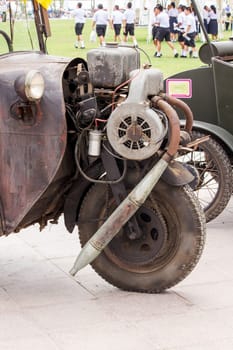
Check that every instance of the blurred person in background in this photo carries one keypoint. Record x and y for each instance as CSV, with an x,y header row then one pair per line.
x,y
181,20
129,18
116,22
227,11
213,23
100,22
79,17
205,16
154,25
162,31
198,29
173,14
190,33
3,10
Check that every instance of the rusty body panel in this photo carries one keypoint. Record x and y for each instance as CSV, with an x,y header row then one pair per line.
x,y
31,150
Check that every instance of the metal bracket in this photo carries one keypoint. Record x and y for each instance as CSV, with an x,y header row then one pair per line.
x,y
119,190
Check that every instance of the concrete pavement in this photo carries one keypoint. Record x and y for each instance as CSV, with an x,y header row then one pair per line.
x,y
43,307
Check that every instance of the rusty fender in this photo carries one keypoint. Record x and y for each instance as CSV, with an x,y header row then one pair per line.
x,y
134,200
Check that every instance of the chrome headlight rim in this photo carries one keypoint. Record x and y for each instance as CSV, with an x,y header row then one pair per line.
x,y
34,85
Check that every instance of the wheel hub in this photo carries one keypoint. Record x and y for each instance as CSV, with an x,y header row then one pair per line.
x,y
140,252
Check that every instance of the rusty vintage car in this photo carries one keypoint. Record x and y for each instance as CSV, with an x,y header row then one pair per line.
x,y
95,140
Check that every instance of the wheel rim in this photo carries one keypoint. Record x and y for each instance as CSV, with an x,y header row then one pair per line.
x,y
152,250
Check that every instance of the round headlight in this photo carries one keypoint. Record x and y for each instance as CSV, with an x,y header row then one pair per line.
x,y
34,85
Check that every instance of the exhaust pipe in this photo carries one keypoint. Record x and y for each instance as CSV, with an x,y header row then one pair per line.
x,y
135,199
182,106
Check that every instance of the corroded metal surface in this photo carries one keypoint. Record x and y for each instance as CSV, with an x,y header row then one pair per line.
x,y
30,152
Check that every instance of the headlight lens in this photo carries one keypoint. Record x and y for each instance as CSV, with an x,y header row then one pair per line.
x,y
34,85
30,87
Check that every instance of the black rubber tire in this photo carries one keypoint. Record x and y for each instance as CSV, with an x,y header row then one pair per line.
x,y
181,224
213,194
7,39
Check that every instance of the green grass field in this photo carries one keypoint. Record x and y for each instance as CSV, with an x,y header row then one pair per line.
x,y
61,43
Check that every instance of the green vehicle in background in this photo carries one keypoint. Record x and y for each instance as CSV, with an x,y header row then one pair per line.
x,y
208,92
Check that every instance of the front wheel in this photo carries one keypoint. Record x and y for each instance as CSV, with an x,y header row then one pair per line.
x,y
172,237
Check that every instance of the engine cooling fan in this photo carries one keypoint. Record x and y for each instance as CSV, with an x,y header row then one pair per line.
x,y
135,131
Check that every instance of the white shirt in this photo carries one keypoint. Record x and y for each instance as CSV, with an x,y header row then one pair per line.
x,y
154,20
129,16
173,12
181,20
79,15
163,20
101,17
117,17
205,14
213,15
190,21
